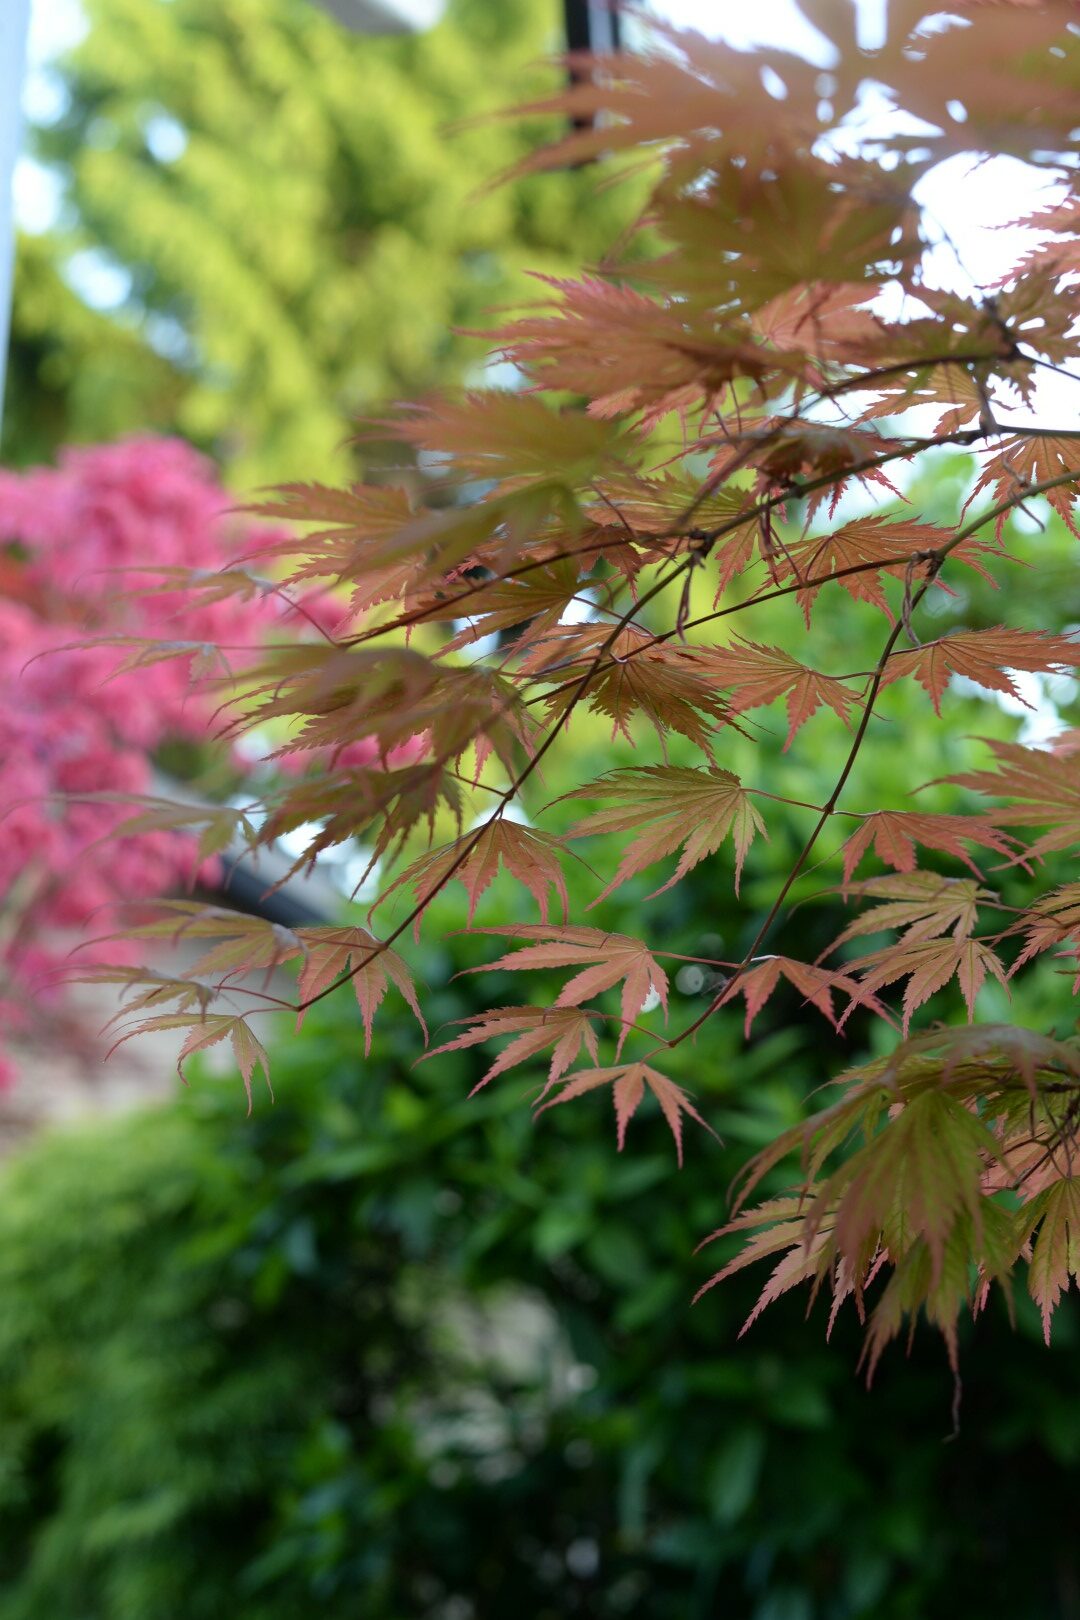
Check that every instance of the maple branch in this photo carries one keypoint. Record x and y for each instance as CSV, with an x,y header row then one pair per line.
x,y
935,560
772,595
795,490
827,811
507,796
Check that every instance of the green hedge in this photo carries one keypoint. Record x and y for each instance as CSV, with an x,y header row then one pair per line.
x,y
385,1352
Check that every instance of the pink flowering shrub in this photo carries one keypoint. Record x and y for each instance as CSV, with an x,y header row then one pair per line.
x,y
75,543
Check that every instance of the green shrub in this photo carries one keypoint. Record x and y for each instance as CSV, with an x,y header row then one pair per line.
x,y
383,1351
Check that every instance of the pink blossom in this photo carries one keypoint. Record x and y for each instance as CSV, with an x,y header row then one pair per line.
x,y
74,541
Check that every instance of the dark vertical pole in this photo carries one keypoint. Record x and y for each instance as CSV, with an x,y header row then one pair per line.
x,y
14,27
593,26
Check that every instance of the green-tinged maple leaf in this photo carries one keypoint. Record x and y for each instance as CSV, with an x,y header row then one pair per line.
x,y
564,1029
361,512
629,1082
928,965
370,965
920,905
907,1197
207,1030
387,807
505,433
628,674
756,675
893,835
532,857
670,807
1054,1215
347,546
245,943
537,600
604,959
982,656
1045,786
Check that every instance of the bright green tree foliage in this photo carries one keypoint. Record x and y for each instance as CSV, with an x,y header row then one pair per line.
x,y
302,228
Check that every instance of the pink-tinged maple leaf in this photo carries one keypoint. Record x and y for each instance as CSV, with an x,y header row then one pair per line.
x,y
535,1029
755,674
670,807
629,1083
530,856
1045,787
928,965
781,1226
894,834
983,656
371,966
1055,1257
1051,920
873,544
1021,461
815,983
206,1030
636,676
604,959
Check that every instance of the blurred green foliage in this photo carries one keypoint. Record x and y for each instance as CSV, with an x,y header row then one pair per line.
x,y
283,224
385,1351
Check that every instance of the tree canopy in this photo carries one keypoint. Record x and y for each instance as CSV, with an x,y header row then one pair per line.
x,y
285,222
715,427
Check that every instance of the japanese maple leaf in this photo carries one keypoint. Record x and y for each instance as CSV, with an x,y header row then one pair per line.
x,y
1055,1257
629,1083
670,807
244,943
782,1225
564,1029
1051,920
206,1029
530,856
894,834
921,904
1044,785
757,983
634,675
604,959
928,965
371,966
537,601
875,545
1022,461
756,674
983,656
